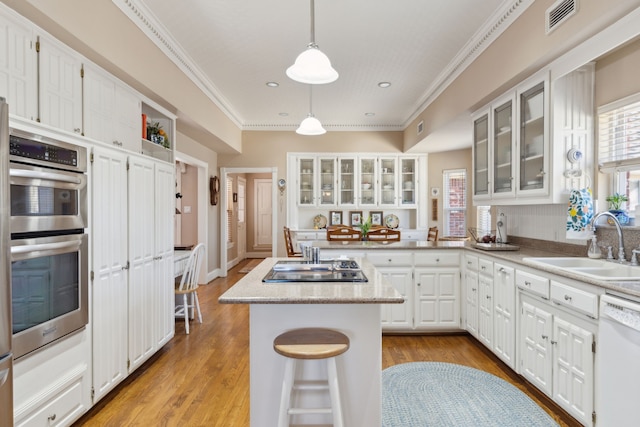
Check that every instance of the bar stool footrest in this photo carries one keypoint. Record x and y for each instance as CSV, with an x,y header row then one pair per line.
x,y
305,411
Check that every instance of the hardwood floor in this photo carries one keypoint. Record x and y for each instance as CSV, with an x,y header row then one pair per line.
x,y
202,379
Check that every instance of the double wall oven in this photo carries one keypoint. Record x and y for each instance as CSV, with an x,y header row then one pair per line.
x,y
48,221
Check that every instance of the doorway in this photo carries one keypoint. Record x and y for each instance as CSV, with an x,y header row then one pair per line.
x,y
229,211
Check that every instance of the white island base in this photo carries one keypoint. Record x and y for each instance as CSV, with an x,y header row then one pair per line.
x,y
359,369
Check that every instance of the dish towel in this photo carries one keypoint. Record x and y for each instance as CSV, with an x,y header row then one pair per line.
x,y
579,214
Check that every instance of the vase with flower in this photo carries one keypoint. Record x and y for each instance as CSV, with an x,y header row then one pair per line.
x,y
365,226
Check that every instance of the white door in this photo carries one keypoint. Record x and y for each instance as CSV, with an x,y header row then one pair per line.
x,y
263,233
242,216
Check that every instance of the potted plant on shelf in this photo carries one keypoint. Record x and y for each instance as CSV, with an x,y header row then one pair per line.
x,y
365,227
615,207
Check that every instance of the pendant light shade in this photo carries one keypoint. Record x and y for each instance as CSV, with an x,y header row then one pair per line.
x,y
312,66
310,126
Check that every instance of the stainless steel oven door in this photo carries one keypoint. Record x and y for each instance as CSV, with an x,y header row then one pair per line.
x,y
44,199
49,282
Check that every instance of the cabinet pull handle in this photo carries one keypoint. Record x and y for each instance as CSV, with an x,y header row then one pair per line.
x,y
527,283
567,298
473,289
437,259
483,268
545,337
488,296
52,417
554,342
501,270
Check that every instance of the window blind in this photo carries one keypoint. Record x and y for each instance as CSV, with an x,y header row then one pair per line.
x,y
619,135
455,202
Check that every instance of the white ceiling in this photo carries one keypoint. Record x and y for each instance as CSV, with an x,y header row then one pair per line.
x,y
233,48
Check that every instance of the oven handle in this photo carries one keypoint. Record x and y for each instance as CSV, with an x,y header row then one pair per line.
x,y
45,247
24,173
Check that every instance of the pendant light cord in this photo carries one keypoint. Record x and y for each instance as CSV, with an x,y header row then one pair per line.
x,y
313,24
311,98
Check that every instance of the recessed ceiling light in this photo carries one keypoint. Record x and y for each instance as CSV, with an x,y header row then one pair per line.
x,y
369,114
283,114
272,84
384,84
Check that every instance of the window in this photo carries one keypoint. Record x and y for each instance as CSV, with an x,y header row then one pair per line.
x,y
483,220
619,145
455,202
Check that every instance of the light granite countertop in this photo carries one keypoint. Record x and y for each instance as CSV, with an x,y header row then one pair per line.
x,y
251,290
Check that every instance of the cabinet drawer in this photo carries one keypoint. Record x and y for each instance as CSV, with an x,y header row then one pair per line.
x,y
61,410
485,267
430,258
537,285
577,299
390,259
306,236
471,262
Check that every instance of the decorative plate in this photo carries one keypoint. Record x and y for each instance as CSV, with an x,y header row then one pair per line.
x,y
391,221
320,221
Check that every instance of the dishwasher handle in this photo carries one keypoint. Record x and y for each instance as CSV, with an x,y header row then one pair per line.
x,y
621,311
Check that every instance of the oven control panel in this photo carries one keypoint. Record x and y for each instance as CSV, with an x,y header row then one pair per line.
x,y
37,150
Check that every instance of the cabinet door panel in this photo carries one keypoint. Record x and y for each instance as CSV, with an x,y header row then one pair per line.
x,y
398,316
471,302
535,351
503,314
437,304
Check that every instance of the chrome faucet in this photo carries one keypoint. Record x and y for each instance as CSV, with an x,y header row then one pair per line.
x,y
621,256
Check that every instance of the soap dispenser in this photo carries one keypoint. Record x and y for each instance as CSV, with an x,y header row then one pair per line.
x,y
594,250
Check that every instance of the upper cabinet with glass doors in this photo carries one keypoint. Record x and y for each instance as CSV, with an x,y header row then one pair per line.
x,y
347,181
368,181
481,156
503,148
388,181
408,180
317,181
533,146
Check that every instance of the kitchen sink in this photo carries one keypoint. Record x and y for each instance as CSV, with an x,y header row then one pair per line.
x,y
594,268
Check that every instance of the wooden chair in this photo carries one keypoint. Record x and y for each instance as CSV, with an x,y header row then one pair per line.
x,y
189,285
288,242
383,235
343,233
433,234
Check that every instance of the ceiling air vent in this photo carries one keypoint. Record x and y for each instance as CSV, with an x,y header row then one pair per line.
x,y
559,12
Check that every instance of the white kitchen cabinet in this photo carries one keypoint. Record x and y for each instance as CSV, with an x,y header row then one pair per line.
x,y
485,302
557,355
18,65
164,209
408,181
397,268
388,180
60,85
317,181
539,166
347,181
471,294
112,110
437,290
368,179
504,320
109,305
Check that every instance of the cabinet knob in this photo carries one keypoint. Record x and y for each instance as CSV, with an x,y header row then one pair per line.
x,y
483,268
52,417
473,289
545,337
389,260
488,296
437,259
527,283
502,270
554,342
567,298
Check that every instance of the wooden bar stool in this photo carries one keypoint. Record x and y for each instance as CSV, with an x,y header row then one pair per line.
x,y
310,343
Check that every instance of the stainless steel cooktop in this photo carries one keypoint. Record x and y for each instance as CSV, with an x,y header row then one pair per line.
x,y
336,270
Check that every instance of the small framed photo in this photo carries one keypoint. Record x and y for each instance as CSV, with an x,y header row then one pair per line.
x,y
356,218
376,217
335,217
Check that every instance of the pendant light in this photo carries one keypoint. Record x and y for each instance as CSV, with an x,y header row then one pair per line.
x,y
310,126
312,66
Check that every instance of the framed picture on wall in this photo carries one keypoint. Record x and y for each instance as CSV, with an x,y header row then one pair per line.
x,y
335,217
356,218
376,217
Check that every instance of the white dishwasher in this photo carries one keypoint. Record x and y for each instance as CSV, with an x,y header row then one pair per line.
x,y
618,367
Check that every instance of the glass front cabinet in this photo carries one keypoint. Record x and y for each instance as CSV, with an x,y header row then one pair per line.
x,y
316,181
533,145
347,181
388,181
368,173
511,146
480,151
408,180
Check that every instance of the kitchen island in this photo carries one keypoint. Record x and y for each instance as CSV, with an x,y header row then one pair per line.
x,y
351,308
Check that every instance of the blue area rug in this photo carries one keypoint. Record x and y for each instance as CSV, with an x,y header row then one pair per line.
x,y
422,394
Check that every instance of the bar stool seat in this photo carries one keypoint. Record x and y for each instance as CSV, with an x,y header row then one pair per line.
x,y
308,344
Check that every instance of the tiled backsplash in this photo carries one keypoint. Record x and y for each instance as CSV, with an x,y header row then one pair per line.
x,y
548,222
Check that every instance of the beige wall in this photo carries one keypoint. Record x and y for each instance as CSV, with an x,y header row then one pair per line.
x,y
190,197
194,149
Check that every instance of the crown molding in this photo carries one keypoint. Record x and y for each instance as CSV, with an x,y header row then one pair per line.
x,y
483,38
